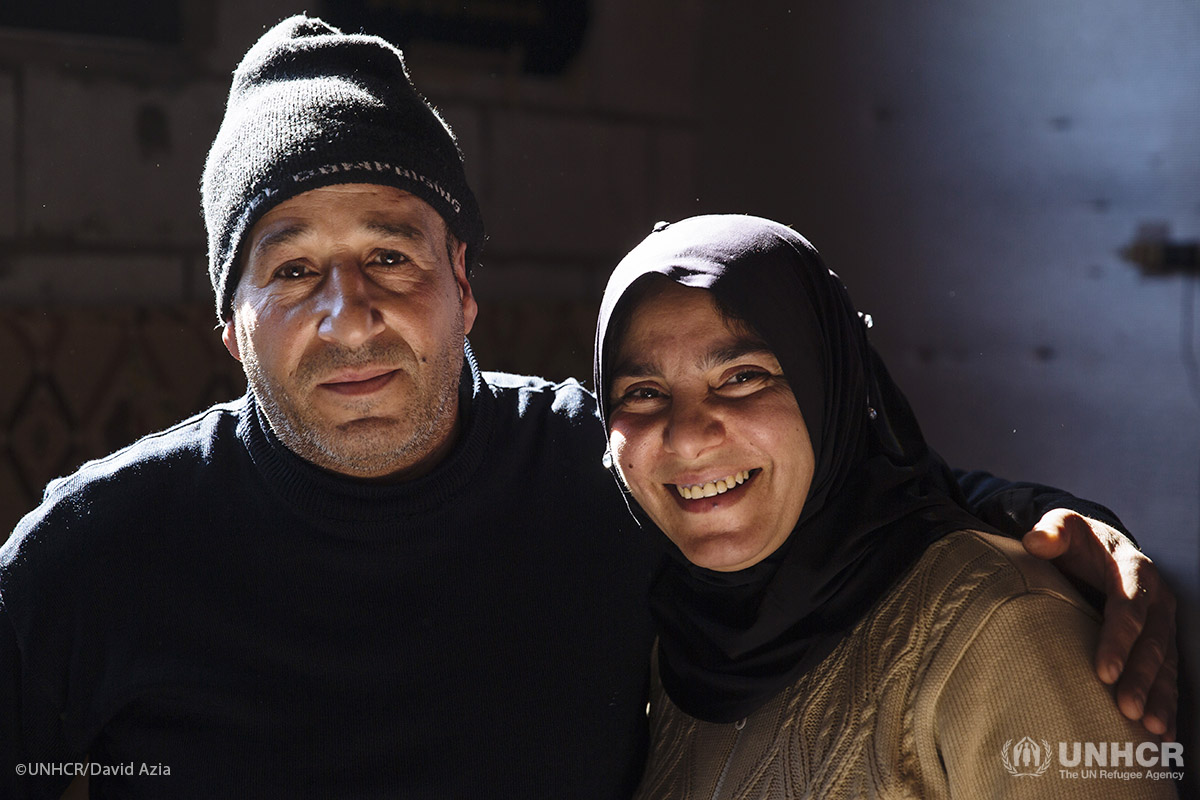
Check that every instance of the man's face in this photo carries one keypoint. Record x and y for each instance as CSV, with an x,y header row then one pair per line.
x,y
349,319
706,432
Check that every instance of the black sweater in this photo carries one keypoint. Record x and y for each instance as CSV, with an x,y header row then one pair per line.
x,y
205,604
206,601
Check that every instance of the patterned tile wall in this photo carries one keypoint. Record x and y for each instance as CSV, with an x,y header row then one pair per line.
x,y
82,383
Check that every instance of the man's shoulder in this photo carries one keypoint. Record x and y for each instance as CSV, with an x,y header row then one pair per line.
x,y
191,439
132,475
530,395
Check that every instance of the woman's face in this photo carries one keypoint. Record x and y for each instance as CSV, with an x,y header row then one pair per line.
x,y
706,432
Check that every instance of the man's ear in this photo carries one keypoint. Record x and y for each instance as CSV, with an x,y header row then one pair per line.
x,y
229,337
469,306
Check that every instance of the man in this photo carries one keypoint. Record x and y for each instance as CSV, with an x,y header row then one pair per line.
x,y
381,573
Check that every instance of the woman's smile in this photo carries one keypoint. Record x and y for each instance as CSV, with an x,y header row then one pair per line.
x,y
712,488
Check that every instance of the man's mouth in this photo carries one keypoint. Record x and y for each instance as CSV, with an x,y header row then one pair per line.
x,y
363,382
712,488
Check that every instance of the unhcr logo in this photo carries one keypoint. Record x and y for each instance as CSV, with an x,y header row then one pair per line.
x,y
1127,761
1026,758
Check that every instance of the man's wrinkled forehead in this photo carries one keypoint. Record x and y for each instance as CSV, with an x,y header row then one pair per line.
x,y
281,233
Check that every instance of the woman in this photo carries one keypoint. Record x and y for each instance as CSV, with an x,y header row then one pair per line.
x,y
833,623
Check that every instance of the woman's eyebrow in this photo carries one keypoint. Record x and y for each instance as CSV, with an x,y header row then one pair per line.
x,y
732,352
635,369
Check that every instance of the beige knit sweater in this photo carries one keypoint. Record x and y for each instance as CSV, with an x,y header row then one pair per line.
x,y
978,647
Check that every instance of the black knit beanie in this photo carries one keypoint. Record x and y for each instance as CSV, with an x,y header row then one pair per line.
x,y
311,107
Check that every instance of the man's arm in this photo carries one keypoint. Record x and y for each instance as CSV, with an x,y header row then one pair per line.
x,y
10,708
34,758
1015,507
15,758
1089,544
17,751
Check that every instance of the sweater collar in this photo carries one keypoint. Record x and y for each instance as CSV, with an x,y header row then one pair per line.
x,y
318,493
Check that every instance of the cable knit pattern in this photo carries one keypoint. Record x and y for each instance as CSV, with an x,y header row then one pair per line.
x,y
977,645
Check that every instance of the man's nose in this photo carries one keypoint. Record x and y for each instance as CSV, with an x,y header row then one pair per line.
x,y
693,426
348,305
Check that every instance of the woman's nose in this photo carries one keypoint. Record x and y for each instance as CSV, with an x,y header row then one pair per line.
x,y
692,428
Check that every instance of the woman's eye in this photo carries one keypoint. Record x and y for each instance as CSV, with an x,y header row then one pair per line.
x,y
639,395
643,393
746,376
745,382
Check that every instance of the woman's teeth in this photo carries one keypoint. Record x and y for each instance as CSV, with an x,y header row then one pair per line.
x,y
713,488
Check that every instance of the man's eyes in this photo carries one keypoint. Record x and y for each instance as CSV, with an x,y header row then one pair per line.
x,y
292,271
391,258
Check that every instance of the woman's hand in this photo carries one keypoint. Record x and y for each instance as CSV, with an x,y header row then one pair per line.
x,y
1137,640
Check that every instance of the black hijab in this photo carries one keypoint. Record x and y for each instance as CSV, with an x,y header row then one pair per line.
x,y
729,641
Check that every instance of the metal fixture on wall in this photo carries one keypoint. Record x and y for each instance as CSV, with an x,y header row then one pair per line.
x,y
1153,251
1156,254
